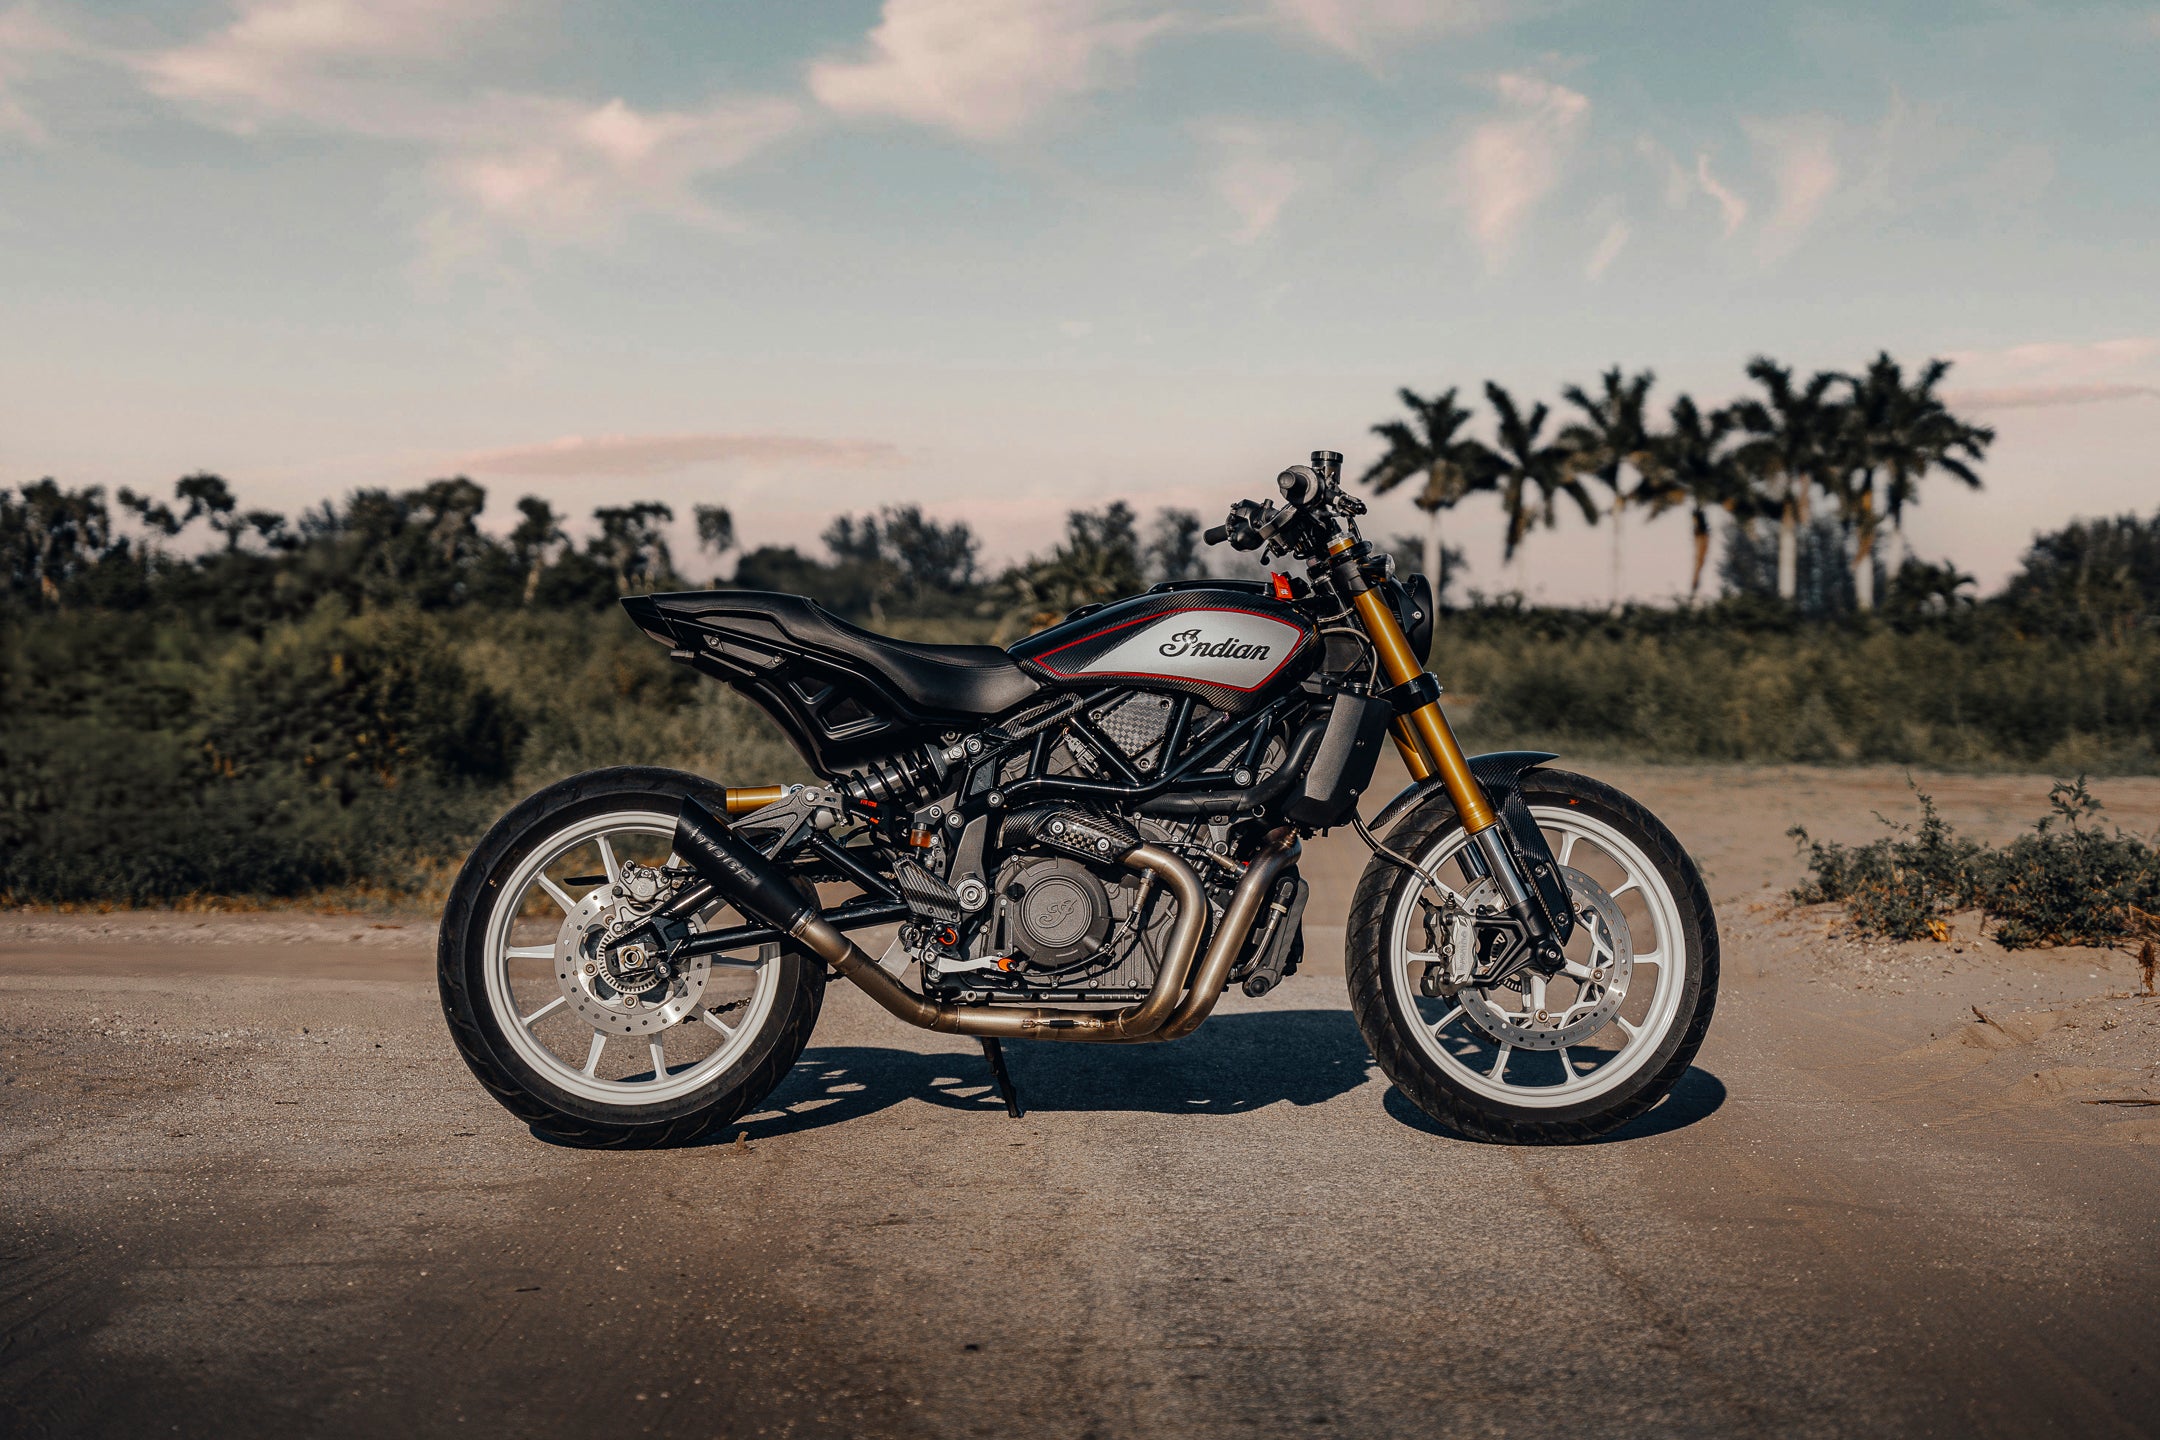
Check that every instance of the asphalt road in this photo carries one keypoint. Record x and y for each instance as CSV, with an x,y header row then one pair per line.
x,y
243,1196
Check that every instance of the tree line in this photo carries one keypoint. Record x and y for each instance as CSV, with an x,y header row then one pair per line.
x,y
66,548
1864,442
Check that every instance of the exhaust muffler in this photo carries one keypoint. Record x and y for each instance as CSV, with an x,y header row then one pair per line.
x,y
763,892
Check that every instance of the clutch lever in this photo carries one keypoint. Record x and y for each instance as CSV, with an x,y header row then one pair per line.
x,y
1246,529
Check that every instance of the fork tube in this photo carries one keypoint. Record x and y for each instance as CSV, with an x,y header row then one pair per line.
x,y
1406,744
1426,724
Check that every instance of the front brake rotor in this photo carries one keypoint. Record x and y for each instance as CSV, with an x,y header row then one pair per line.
x,y
1541,1022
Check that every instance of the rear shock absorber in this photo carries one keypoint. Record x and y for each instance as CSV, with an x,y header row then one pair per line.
x,y
897,779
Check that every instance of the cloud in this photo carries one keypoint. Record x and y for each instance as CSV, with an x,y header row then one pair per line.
x,y
1730,206
2049,373
1509,163
1609,246
1800,155
559,172
637,456
326,61
27,41
1256,186
984,72
1258,167
1364,29
544,169
2022,397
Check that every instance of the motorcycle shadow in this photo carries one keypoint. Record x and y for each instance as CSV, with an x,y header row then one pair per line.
x,y
1235,1063
1697,1096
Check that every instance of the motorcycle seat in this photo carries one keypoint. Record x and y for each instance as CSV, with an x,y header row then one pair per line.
x,y
970,680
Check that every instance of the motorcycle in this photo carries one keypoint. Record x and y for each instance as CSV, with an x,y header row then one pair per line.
x,y
1087,838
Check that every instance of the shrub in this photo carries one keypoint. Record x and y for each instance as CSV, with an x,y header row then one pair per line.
x,y
2067,882
358,703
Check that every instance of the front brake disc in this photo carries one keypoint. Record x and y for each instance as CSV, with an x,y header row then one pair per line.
x,y
1543,1021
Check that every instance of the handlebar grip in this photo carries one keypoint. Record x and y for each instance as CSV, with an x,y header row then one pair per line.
x,y
1215,534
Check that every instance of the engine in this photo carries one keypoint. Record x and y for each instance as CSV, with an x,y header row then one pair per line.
x,y
1055,927
1004,908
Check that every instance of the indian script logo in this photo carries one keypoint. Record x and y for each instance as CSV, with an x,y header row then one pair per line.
x,y
1192,644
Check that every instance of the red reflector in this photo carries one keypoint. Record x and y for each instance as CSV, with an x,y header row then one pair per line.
x,y
1282,586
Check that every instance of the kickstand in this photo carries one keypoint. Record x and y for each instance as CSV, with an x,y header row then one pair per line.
x,y
995,1054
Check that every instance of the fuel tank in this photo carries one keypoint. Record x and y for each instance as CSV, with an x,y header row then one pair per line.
x,y
1233,649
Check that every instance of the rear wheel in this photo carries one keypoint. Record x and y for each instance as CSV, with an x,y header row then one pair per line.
x,y
600,1047
1543,1059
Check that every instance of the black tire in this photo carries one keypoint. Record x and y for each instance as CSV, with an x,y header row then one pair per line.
x,y
552,1112
1441,1095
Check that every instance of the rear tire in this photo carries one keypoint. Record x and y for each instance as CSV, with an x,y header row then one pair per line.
x,y
1446,1054
675,1104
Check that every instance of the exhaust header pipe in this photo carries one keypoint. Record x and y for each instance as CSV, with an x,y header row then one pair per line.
x,y
763,892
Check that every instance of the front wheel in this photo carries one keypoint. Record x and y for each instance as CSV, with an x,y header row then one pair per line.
x,y
1542,1059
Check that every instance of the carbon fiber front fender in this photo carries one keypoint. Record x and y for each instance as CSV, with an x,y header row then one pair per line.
x,y
1501,771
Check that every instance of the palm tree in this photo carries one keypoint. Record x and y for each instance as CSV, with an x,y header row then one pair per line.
x,y
1911,433
1522,460
633,546
715,530
533,541
1610,438
1794,428
1691,464
1453,464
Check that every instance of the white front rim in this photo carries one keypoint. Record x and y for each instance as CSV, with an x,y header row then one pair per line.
x,y
1600,1061
643,1052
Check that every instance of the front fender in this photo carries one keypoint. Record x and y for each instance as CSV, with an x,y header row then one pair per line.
x,y
1500,773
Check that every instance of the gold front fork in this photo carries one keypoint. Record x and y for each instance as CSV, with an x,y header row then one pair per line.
x,y
1424,737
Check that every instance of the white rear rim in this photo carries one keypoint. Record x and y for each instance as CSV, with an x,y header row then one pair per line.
x,y
1601,1060
583,1037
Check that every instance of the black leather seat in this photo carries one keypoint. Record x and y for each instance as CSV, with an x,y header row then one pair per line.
x,y
975,680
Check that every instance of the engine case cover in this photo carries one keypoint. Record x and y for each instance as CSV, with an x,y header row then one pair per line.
x,y
1057,913
1233,649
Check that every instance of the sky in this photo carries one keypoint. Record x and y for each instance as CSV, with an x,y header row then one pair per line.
x,y
1006,258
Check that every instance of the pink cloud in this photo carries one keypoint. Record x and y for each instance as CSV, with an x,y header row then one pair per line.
x,y
1364,29
1511,162
984,72
544,169
2024,397
281,59
1800,153
631,456
2056,372
1731,207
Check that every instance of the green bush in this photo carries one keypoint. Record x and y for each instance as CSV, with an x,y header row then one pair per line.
x,y
142,764
1723,685
352,704
2067,882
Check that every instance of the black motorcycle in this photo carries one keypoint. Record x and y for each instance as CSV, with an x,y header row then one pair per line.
x,y
1087,837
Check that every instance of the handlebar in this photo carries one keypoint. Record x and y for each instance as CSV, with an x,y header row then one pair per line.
x,y
1312,496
